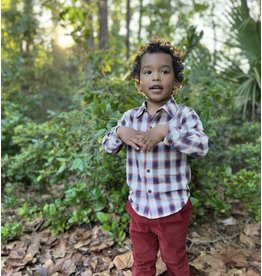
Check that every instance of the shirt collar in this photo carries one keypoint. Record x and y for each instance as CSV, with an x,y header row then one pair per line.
x,y
170,107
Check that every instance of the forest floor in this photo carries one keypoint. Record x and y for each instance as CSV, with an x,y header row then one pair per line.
x,y
218,247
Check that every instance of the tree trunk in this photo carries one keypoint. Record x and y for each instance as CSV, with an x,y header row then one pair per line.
x,y
27,47
28,35
103,24
89,25
140,20
214,34
128,15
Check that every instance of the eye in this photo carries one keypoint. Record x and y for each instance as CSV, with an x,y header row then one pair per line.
x,y
164,72
147,72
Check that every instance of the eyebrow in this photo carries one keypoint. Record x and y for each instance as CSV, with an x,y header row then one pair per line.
x,y
161,66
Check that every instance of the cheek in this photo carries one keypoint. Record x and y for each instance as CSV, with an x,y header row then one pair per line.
x,y
142,83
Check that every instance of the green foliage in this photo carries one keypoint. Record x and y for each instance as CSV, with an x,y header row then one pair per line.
x,y
10,230
115,226
12,116
68,148
58,104
245,186
245,36
10,197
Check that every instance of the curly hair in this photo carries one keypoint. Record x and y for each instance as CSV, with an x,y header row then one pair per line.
x,y
158,45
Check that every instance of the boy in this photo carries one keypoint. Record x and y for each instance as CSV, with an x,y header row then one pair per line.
x,y
158,136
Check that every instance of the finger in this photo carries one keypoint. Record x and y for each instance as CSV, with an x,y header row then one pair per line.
x,y
140,137
134,145
144,146
139,142
140,132
148,146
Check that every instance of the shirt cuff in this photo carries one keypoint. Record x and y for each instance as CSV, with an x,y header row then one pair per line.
x,y
172,136
115,138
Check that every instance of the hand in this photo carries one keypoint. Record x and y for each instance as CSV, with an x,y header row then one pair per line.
x,y
153,137
130,136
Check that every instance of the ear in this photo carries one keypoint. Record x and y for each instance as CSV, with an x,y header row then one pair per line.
x,y
176,86
139,86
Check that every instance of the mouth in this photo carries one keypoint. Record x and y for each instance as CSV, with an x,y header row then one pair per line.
x,y
156,87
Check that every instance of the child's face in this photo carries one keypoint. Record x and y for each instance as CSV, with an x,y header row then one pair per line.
x,y
157,77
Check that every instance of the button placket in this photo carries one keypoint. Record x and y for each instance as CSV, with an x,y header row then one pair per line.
x,y
149,172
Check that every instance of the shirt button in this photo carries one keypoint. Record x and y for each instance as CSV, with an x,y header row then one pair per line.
x,y
117,141
170,141
148,170
149,191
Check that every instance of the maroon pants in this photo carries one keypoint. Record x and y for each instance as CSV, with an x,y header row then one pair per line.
x,y
167,234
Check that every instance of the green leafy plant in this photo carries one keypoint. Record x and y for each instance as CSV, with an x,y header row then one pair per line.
x,y
116,226
245,186
10,230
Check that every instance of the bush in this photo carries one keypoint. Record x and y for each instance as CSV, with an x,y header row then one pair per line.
x,y
66,150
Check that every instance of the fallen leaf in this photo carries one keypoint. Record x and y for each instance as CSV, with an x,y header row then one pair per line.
x,y
97,246
252,229
251,272
88,272
233,272
232,256
34,245
104,273
82,243
34,225
42,271
44,257
245,239
204,262
49,263
60,250
229,221
14,263
66,267
103,264
76,257
80,235
93,264
28,258
124,260
256,256
7,271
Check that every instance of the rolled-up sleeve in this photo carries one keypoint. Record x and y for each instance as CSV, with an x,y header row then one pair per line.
x,y
111,142
186,134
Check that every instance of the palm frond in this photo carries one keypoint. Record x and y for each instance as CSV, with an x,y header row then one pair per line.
x,y
245,38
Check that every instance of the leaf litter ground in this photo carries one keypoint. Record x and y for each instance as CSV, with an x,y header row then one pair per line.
x,y
227,247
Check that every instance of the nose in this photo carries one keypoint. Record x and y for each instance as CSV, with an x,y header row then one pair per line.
x,y
156,77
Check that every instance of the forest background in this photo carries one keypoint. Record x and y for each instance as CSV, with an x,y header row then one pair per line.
x,y
61,93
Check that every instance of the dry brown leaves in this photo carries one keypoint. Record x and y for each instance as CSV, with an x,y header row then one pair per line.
x,y
231,248
81,251
226,250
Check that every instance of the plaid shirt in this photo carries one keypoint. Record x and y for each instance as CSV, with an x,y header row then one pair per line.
x,y
158,179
